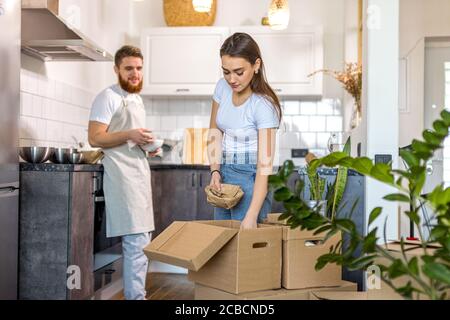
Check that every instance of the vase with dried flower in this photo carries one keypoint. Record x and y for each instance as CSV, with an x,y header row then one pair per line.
x,y
351,78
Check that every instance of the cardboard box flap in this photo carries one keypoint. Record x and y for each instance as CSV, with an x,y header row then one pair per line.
x,y
292,234
188,244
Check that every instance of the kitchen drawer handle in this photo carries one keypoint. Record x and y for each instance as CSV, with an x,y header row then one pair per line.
x,y
278,90
8,191
193,180
109,271
182,90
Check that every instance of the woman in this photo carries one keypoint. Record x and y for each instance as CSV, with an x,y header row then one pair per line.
x,y
245,116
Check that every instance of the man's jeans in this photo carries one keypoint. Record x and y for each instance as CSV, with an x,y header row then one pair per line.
x,y
135,265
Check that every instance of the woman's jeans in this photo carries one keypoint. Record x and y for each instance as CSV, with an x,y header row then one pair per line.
x,y
241,170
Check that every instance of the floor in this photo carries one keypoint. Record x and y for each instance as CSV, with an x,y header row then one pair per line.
x,y
166,286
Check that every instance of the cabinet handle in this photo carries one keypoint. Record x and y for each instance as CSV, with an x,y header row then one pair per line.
x,y
95,184
109,271
201,180
193,180
278,90
182,90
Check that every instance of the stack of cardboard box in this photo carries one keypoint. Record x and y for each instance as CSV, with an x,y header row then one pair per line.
x,y
227,263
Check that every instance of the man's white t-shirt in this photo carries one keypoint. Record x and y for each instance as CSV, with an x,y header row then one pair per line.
x,y
108,101
241,124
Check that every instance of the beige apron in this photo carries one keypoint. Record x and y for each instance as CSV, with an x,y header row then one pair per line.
x,y
126,182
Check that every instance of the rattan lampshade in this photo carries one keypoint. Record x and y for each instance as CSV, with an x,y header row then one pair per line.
x,y
179,13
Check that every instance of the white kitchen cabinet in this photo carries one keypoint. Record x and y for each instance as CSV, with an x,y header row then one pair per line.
x,y
289,57
182,61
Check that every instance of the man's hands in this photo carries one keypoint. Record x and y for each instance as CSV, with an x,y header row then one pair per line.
x,y
141,136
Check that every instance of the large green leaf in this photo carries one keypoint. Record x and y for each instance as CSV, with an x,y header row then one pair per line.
x,y
370,241
397,197
276,182
437,271
363,165
396,269
410,159
339,188
283,194
375,214
286,169
382,172
441,128
445,115
420,146
432,138
413,266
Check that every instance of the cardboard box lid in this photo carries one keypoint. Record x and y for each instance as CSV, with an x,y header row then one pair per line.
x,y
189,244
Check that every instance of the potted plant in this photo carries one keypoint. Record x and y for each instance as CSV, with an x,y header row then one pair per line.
x,y
428,273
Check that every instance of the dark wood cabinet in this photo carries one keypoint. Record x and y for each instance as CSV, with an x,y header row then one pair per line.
x,y
178,195
56,235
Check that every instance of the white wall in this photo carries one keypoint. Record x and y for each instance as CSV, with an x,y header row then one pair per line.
x,y
418,19
380,101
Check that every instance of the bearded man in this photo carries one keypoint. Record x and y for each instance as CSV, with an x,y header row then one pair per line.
x,y
117,125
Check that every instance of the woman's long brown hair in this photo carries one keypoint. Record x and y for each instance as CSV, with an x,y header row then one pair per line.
x,y
244,46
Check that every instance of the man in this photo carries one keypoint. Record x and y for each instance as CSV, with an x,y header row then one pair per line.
x,y
117,125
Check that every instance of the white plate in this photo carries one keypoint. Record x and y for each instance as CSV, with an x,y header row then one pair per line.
x,y
152,147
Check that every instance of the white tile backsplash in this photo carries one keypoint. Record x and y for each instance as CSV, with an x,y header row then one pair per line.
x,y
291,107
168,123
185,121
300,123
52,112
308,108
306,124
317,123
308,140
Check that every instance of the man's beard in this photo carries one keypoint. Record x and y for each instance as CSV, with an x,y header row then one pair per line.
x,y
125,85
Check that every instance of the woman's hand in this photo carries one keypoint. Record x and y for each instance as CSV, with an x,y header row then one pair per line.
x,y
249,223
216,181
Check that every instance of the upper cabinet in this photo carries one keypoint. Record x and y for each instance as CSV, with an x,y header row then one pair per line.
x,y
185,61
182,60
289,57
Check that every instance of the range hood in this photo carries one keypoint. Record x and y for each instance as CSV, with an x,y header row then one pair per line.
x,y
46,36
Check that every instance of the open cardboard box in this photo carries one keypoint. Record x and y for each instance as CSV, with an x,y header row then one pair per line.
x,y
220,255
208,293
301,249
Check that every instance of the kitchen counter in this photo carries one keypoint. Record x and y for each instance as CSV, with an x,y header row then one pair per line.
x,y
52,167
154,165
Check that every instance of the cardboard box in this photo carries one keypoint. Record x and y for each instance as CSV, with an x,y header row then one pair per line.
x,y
208,293
301,249
384,292
220,255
